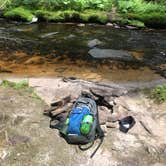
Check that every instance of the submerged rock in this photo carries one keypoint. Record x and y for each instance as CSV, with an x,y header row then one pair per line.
x,y
112,54
93,43
34,19
48,34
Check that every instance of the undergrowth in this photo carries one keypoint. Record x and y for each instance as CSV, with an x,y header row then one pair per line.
x,y
159,93
151,13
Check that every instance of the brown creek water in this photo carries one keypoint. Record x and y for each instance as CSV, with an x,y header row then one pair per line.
x,y
61,50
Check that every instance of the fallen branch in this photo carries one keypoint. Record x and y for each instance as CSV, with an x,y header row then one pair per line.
x,y
146,128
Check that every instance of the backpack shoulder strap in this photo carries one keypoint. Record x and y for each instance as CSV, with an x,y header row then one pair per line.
x,y
100,135
99,131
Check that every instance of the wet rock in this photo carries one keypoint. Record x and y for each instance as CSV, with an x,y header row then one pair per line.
x,y
34,19
47,35
93,43
81,25
70,36
131,27
111,54
116,26
109,24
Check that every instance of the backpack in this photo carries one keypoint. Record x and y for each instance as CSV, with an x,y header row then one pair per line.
x,y
71,128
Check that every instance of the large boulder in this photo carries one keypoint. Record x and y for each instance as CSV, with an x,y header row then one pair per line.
x,y
112,54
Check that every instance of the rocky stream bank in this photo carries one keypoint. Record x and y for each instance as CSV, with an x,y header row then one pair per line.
x,y
26,138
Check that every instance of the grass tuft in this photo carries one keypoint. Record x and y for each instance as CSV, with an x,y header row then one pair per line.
x,y
159,93
22,85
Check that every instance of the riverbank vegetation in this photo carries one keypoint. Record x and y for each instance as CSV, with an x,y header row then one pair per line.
x,y
159,93
124,12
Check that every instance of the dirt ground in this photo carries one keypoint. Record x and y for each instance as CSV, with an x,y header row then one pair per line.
x,y
26,138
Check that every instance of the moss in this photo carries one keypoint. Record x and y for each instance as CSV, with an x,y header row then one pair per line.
x,y
94,16
156,20
72,15
67,15
50,16
19,13
125,21
136,23
121,20
153,19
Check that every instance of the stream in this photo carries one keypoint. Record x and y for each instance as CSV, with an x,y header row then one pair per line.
x,y
82,51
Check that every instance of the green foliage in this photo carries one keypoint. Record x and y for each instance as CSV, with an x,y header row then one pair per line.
x,y
140,6
31,4
19,13
64,4
4,4
151,13
159,93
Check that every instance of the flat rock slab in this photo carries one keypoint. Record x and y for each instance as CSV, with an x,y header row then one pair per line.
x,y
112,54
50,89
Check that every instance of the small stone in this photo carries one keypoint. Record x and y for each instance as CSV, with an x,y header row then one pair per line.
x,y
116,26
71,36
131,27
93,43
34,19
81,25
109,24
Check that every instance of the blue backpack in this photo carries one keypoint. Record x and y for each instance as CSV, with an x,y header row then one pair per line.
x,y
70,130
